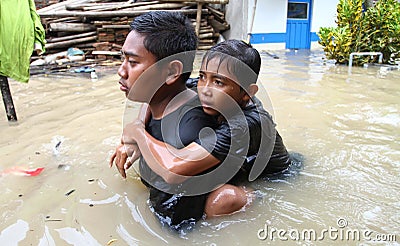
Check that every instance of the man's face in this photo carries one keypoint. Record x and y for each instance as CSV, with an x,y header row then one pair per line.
x,y
217,89
136,59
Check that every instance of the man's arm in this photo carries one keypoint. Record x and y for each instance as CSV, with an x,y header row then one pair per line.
x,y
172,164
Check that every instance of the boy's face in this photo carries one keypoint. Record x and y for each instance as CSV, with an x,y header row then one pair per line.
x,y
136,59
217,89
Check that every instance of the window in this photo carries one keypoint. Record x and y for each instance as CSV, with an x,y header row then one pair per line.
x,y
297,11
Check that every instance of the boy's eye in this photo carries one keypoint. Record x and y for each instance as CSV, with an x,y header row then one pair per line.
x,y
201,77
219,82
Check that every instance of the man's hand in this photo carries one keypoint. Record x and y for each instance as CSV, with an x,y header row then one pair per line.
x,y
124,156
131,131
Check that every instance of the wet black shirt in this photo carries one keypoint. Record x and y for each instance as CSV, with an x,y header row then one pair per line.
x,y
246,140
178,129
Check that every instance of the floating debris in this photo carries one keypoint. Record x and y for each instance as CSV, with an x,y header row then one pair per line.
x,y
69,192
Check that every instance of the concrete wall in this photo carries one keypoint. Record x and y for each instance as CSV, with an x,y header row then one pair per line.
x,y
237,17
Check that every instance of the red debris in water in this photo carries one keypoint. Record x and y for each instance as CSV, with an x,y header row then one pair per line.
x,y
22,171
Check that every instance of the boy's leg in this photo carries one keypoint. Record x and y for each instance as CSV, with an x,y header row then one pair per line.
x,y
226,199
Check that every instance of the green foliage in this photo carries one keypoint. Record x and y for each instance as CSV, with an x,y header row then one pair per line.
x,y
377,30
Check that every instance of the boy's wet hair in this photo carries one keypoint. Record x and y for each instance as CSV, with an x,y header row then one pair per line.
x,y
242,59
167,34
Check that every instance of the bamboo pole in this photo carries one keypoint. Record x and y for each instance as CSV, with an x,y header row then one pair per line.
x,y
116,26
71,27
198,17
69,42
200,1
112,13
7,99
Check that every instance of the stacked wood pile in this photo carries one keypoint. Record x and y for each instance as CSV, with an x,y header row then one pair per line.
x,y
44,3
99,27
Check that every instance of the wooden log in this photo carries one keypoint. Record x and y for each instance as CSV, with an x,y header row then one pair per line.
x,y
104,52
71,27
204,47
7,99
208,35
218,26
69,42
204,30
82,35
59,6
215,11
113,13
66,19
198,17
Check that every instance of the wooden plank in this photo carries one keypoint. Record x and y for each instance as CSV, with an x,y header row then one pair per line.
x,y
7,99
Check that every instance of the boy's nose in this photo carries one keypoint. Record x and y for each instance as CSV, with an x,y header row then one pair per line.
x,y
205,90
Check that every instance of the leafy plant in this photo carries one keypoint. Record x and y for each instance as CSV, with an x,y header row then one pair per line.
x,y
377,30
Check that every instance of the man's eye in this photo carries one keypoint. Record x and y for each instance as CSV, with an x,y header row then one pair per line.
x,y
201,77
132,62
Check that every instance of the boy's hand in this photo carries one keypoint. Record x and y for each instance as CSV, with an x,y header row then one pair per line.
x,y
124,156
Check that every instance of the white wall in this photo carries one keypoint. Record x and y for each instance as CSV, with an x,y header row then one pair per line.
x,y
270,16
324,14
236,16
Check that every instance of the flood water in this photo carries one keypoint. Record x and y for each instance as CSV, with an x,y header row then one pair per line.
x,y
347,126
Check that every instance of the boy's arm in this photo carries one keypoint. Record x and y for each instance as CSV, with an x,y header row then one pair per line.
x,y
173,165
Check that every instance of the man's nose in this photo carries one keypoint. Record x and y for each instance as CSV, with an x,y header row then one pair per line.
x,y
122,71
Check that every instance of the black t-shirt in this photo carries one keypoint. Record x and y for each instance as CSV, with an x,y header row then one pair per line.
x,y
248,139
179,128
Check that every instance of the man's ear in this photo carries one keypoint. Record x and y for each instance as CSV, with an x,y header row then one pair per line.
x,y
251,91
175,69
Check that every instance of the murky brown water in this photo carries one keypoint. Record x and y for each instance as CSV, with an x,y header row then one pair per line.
x,y
346,126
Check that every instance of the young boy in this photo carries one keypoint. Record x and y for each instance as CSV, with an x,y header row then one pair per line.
x,y
245,139
151,72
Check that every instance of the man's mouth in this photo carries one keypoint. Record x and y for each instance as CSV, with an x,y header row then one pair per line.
x,y
123,87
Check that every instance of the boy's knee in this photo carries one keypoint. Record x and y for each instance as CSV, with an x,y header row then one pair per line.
x,y
225,200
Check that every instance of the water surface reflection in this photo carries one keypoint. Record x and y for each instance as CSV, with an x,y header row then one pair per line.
x,y
346,126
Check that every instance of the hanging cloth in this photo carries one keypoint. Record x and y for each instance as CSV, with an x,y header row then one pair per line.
x,y
20,33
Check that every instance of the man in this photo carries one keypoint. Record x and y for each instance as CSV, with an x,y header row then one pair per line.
x,y
152,73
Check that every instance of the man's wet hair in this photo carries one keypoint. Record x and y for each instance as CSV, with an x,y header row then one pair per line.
x,y
242,59
166,34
